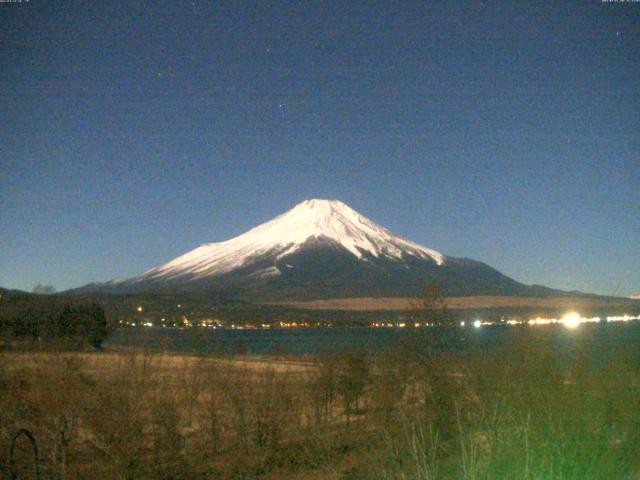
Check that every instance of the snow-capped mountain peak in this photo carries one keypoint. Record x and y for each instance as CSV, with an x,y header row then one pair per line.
x,y
287,233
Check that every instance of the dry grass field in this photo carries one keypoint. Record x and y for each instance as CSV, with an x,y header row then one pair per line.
x,y
524,411
398,303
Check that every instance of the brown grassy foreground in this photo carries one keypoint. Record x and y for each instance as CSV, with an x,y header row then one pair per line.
x,y
523,412
478,301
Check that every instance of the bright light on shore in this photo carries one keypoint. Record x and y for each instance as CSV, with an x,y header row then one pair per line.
x,y
477,323
571,320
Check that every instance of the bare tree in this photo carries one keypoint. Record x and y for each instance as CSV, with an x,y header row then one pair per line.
x,y
432,306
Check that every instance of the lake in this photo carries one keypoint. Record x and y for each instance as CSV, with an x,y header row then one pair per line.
x,y
302,341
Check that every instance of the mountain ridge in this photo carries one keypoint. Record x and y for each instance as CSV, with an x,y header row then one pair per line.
x,y
320,249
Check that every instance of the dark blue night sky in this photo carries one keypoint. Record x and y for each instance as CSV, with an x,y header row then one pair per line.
x,y
507,132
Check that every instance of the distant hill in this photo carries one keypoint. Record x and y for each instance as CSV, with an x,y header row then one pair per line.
x,y
30,311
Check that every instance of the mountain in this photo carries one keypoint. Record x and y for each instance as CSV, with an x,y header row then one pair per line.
x,y
319,249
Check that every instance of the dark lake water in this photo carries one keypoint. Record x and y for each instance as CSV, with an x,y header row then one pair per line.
x,y
372,340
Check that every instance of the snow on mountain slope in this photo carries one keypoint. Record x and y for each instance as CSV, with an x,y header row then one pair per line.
x,y
286,234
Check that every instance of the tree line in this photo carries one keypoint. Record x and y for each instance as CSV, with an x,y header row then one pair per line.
x,y
51,318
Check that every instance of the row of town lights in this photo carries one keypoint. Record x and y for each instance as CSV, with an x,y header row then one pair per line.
x,y
570,320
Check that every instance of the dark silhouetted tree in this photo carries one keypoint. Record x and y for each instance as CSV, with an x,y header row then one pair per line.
x,y
98,328
80,323
433,306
